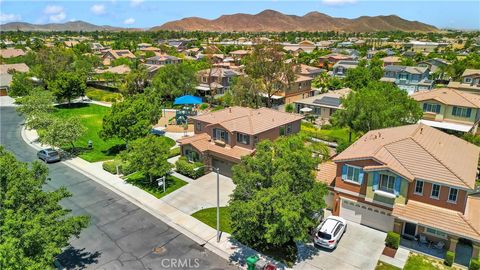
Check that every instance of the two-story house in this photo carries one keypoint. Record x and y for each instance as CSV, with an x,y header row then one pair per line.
x,y
217,79
436,66
323,105
309,71
164,59
333,58
410,79
111,55
470,81
449,109
413,179
223,137
341,67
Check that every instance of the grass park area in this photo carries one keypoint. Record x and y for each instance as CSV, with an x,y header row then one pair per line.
x,y
418,262
91,117
102,95
173,183
209,217
331,134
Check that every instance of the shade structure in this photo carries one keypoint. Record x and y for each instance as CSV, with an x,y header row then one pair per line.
x,y
187,100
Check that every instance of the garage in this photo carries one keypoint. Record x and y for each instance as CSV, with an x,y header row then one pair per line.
x,y
367,215
224,166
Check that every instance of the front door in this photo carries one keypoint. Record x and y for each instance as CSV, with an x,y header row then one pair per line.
x,y
410,229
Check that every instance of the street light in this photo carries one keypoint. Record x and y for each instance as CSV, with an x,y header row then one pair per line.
x,y
217,170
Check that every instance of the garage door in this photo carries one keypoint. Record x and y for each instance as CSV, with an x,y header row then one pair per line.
x,y
224,166
367,215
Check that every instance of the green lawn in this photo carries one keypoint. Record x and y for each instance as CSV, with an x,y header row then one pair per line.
x,y
173,183
421,262
91,116
385,266
102,95
332,134
209,217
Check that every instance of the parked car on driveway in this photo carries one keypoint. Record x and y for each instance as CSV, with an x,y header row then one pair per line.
x,y
330,231
48,155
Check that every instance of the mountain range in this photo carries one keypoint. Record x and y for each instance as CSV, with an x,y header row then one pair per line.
x,y
265,21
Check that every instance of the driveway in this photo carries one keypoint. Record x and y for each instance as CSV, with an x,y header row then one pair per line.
x,y
359,248
201,193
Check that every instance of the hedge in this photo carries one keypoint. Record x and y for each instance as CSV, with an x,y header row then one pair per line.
x,y
174,152
110,166
449,258
474,264
187,168
392,240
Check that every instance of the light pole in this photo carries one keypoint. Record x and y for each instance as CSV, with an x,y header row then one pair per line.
x,y
217,170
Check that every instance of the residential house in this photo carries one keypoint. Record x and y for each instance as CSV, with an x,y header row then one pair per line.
x,y
410,79
414,180
341,67
449,109
141,46
120,70
309,71
11,52
217,79
223,137
239,54
333,58
323,105
470,81
6,75
424,46
391,60
96,47
111,55
435,65
161,60
300,88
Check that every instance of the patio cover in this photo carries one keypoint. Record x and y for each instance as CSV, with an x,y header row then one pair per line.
x,y
187,100
447,125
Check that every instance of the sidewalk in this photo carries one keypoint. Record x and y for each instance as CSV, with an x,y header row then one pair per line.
x,y
201,233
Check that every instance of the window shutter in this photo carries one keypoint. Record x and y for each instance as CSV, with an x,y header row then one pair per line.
x,y
214,133
248,140
454,111
424,107
398,183
376,179
226,137
438,108
469,112
344,172
360,177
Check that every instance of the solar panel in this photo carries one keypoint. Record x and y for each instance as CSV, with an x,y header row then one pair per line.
x,y
329,101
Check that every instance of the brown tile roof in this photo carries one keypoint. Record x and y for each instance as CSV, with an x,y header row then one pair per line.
x,y
437,217
204,143
247,120
8,53
121,53
469,72
418,151
391,59
21,67
121,69
449,96
327,172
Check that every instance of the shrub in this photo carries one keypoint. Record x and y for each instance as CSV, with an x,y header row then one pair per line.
x,y
203,106
343,145
174,152
110,166
189,169
449,258
289,108
474,264
392,240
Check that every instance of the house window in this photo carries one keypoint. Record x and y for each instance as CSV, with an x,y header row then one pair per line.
x,y
353,173
435,191
419,187
452,195
204,79
387,183
220,134
243,138
462,111
468,80
289,128
198,126
192,156
436,232
429,107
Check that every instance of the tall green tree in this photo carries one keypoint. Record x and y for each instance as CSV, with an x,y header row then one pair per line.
x,y
135,81
275,199
131,119
149,156
378,105
63,132
175,80
68,85
36,106
33,226
245,92
21,85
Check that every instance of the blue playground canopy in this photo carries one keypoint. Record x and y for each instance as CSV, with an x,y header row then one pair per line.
x,y
187,100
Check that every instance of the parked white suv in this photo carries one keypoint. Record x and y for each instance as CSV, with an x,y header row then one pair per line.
x,y
329,232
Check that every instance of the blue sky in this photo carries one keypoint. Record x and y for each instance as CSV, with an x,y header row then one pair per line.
x,y
148,13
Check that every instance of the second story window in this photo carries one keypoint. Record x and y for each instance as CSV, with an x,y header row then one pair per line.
x,y
462,111
198,126
220,134
452,195
435,191
243,138
429,107
419,187
352,174
387,183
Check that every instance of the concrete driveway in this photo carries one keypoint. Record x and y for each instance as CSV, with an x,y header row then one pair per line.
x,y
201,193
359,248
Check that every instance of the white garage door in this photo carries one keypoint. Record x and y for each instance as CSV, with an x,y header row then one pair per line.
x,y
224,166
367,215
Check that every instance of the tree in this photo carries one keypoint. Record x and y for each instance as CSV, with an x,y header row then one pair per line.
x,y
175,80
378,105
362,75
275,199
22,84
131,119
267,64
245,92
50,62
289,108
35,106
149,156
68,85
34,227
135,81
62,132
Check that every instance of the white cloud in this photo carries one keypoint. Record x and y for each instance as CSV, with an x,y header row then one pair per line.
x,y
129,21
338,2
135,3
9,17
98,9
55,13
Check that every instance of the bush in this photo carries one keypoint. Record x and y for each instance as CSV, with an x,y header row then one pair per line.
x,y
289,108
342,146
188,169
203,106
392,240
474,264
174,152
110,166
449,258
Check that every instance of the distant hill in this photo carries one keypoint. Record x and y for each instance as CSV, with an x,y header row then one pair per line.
x,y
68,26
273,21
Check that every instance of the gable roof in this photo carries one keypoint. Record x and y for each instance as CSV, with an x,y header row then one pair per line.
x,y
20,67
247,120
121,53
449,96
469,72
418,152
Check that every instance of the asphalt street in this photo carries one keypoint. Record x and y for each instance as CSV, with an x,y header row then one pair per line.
x,y
121,235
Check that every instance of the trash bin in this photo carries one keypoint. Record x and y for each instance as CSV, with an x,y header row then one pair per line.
x,y
260,265
251,261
